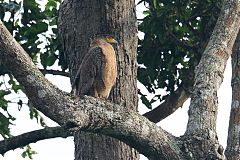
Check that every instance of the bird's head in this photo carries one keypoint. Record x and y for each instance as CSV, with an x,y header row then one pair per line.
x,y
103,39
110,39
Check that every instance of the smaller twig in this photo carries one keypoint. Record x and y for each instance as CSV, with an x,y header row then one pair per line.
x,y
32,137
54,72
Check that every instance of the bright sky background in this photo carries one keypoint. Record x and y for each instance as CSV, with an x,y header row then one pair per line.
x,y
63,149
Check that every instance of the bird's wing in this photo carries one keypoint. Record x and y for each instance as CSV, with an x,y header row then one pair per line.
x,y
89,72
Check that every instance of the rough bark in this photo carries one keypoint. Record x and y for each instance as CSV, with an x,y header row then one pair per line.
x,y
78,22
209,75
233,143
209,72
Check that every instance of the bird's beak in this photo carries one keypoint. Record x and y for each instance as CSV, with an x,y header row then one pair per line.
x,y
112,40
116,43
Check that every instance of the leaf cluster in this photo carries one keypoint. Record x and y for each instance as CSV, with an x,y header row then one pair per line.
x,y
175,35
35,27
5,118
28,152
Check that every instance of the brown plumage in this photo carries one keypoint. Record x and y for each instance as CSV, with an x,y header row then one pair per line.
x,y
98,70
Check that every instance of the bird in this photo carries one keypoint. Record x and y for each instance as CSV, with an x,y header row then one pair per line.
x,y
98,71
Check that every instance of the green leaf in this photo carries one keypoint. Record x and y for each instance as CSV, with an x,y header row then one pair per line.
x,y
53,22
146,12
34,114
31,4
155,3
37,29
15,85
4,126
3,104
44,59
48,59
24,154
2,12
52,59
28,152
4,93
146,102
51,4
42,123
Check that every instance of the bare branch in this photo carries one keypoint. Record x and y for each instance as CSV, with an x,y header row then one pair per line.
x,y
32,137
54,72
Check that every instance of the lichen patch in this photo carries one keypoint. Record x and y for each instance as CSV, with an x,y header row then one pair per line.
x,y
41,93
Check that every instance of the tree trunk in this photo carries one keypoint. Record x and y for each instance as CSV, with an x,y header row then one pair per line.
x,y
233,144
78,22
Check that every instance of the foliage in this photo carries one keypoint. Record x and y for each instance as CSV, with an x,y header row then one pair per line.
x,y
5,119
34,114
28,152
35,28
176,33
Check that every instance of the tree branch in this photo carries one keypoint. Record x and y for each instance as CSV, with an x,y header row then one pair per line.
x,y
170,105
174,100
32,137
54,72
87,114
3,71
209,72
233,150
